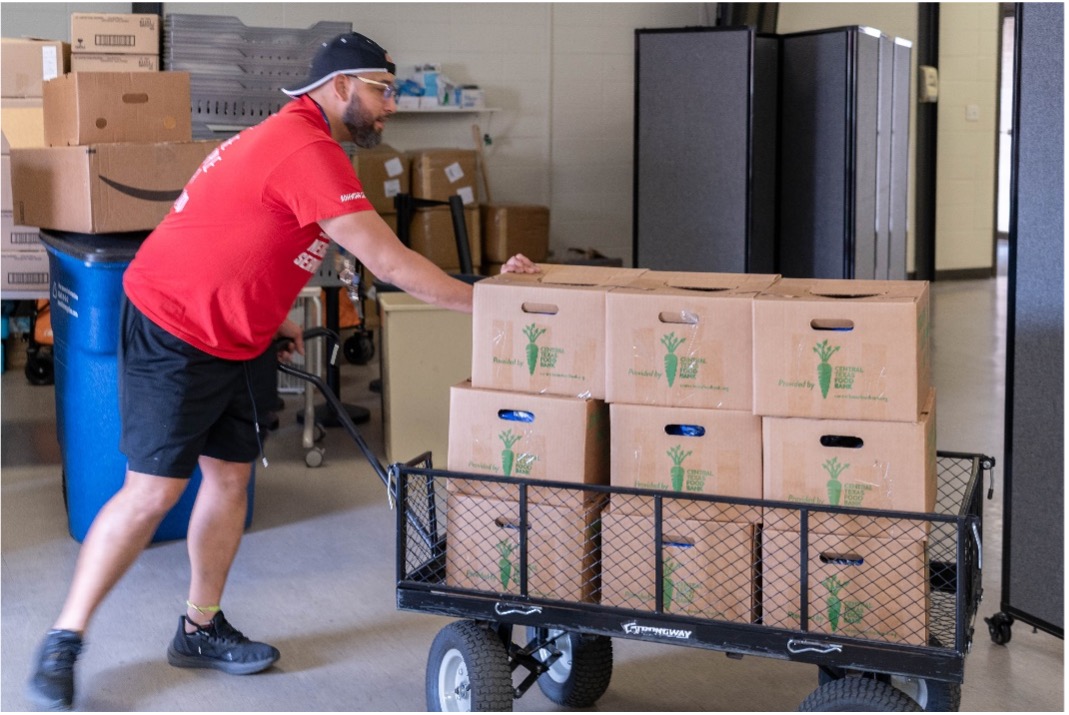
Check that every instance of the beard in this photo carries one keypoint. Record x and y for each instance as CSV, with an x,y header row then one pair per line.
x,y
361,126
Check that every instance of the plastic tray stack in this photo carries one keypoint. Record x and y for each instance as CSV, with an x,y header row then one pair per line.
x,y
237,72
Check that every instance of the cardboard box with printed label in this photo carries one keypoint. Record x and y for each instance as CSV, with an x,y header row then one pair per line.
x,y
104,107
27,63
100,62
842,349
483,548
861,587
683,339
126,33
438,174
684,451
24,270
509,229
431,234
543,332
708,566
890,466
521,435
384,173
102,188
18,238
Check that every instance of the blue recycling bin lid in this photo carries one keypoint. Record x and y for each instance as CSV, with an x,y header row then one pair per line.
x,y
95,247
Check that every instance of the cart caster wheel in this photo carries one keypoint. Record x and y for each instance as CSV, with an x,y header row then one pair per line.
x,y
468,671
359,348
856,694
581,672
314,457
40,370
999,627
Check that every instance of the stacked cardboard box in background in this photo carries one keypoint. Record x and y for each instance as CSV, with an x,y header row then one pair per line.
x,y
679,383
115,42
842,379
437,175
508,229
25,65
109,166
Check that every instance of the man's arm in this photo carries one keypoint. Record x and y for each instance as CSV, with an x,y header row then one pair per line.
x,y
366,236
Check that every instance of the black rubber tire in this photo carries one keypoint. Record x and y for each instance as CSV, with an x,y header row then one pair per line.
x,y
359,348
473,658
1000,628
40,370
582,681
853,694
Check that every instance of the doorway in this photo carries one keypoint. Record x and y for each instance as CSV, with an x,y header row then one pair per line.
x,y
1005,120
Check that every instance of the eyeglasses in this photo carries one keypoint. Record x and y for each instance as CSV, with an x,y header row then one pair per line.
x,y
389,91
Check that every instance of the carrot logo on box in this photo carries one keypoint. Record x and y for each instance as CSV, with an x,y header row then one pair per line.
x,y
677,455
835,487
507,455
824,352
671,360
533,333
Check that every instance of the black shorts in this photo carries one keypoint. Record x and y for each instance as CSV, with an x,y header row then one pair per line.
x,y
177,402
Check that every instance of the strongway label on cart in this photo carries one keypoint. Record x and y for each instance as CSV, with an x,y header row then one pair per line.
x,y
632,628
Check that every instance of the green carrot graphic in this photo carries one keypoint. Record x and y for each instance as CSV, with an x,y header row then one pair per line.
x,y
504,564
533,333
677,455
835,487
669,585
835,604
824,351
507,455
671,361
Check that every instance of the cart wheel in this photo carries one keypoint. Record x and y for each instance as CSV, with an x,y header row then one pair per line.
x,y
468,671
999,627
581,673
40,370
314,457
853,694
359,348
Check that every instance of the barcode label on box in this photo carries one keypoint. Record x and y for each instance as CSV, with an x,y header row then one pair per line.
x,y
114,40
25,238
26,279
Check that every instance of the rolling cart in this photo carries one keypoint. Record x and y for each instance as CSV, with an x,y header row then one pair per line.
x,y
541,579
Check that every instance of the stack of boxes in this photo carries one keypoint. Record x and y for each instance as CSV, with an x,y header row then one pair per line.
x,y
752,388
842,379
438,174
679,383
115,42
25,66
534,408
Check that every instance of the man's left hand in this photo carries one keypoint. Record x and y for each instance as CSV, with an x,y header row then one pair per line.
x,y
520,264
291,330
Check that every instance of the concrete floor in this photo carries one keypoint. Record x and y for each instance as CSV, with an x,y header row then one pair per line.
x,y
315,575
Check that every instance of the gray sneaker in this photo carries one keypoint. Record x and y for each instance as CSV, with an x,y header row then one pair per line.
x,y
51,686
220,646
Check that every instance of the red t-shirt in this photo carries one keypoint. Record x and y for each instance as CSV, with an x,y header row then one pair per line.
x,y
226,264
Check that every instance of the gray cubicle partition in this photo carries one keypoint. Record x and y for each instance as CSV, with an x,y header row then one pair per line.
x,y
1034,460
705,150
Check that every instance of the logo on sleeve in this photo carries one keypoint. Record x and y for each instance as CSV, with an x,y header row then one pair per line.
x,y
356,195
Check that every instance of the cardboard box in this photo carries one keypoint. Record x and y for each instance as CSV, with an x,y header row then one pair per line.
x,y
22,123
431,234
116,33
101,62
889,466
440,173
684,451
708,566
842,349
543,332
384,173
24,271
861,587
18,238
514,434
683,339
27,63
483,549
509,229
102,188
106,107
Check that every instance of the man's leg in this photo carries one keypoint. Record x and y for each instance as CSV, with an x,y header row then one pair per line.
x,y
215,529
205,639
119,533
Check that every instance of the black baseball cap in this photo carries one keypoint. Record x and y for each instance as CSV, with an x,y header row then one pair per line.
x,y
349,53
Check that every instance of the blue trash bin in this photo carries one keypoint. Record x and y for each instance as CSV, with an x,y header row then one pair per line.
x,y
86,293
